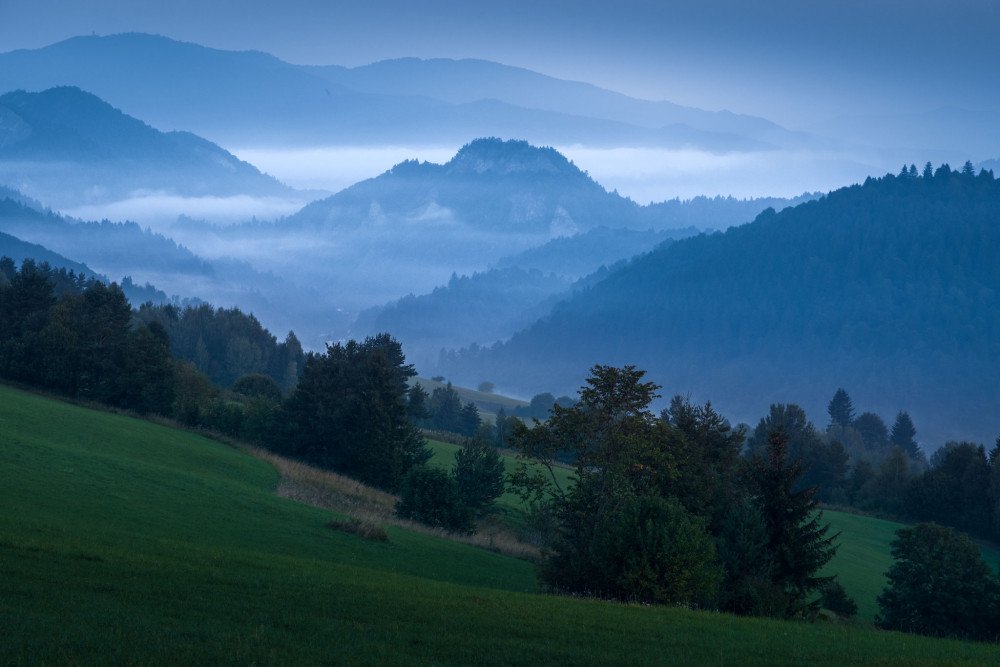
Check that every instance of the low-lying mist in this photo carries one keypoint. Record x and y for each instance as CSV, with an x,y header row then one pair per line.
x,y
643,174
159,210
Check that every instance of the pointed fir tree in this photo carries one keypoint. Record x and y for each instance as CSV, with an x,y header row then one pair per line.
x,y
797,539
841,409
903,434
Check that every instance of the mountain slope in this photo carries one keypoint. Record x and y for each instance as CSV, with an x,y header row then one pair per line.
x,y
468,80
890,290
244,98
67,146
118,249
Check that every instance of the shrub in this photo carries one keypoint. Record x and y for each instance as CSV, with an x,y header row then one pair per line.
x,y
836,599
256,384
479,473
652,550
431,496
366,529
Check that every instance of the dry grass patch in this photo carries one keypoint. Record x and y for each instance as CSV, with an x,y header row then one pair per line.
x,y
367,505
366,529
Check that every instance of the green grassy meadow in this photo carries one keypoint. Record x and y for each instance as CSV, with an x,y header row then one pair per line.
x,y
123,541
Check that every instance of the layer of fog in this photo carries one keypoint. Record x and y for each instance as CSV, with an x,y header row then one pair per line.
x,y
160,210
643,174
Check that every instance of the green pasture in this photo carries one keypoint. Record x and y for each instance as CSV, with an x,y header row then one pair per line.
x,y
126,542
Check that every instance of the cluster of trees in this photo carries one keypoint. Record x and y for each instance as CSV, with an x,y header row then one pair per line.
x,y
664,509
453,500
442,410
351,410
226,344
859,462
74,336
349,413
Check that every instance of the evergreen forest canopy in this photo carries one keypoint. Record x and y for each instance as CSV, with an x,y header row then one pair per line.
x,y
889,288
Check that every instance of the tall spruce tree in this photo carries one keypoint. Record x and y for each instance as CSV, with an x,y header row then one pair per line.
x,y
797,541
841,409
903,434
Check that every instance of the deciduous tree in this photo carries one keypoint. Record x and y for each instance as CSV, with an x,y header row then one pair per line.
x,y
939,585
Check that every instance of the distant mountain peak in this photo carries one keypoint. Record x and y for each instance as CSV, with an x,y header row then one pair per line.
x,y
498,157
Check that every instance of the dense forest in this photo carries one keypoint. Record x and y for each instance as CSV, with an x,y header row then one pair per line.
x,y
890,287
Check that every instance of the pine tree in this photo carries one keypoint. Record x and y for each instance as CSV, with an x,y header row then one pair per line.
x,y
841,409
796,538
902,435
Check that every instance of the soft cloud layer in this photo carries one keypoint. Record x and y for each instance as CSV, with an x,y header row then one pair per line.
x,y
156,209
644,174
335,168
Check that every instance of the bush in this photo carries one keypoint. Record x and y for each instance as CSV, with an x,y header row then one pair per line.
x,y
939,585
256,384
653,550
836,599
479,472
431,496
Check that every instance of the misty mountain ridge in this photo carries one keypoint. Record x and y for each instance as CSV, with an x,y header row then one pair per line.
x,y
490,185
246,100
135,256
251,98
67,146
889,290
404,232
469,80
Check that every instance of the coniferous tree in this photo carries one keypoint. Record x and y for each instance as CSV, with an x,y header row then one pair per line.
x,y
841,410
873,431
468,420
903,434
796,537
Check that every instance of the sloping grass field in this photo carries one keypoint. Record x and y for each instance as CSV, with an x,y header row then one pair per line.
x,y
127,542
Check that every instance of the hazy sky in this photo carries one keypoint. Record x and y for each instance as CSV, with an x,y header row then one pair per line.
x,y
790,60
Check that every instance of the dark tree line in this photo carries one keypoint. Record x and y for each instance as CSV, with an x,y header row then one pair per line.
x,y
860,462
226,344
73,336
442,410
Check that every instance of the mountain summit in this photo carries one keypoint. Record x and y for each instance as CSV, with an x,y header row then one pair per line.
x,y
502,158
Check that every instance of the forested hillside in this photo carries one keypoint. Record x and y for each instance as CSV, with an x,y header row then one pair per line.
x,y
890,288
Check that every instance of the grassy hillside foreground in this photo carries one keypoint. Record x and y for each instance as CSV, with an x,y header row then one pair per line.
x,y
128,542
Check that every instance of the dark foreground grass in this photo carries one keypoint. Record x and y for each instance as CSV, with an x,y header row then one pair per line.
x,y
126,542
